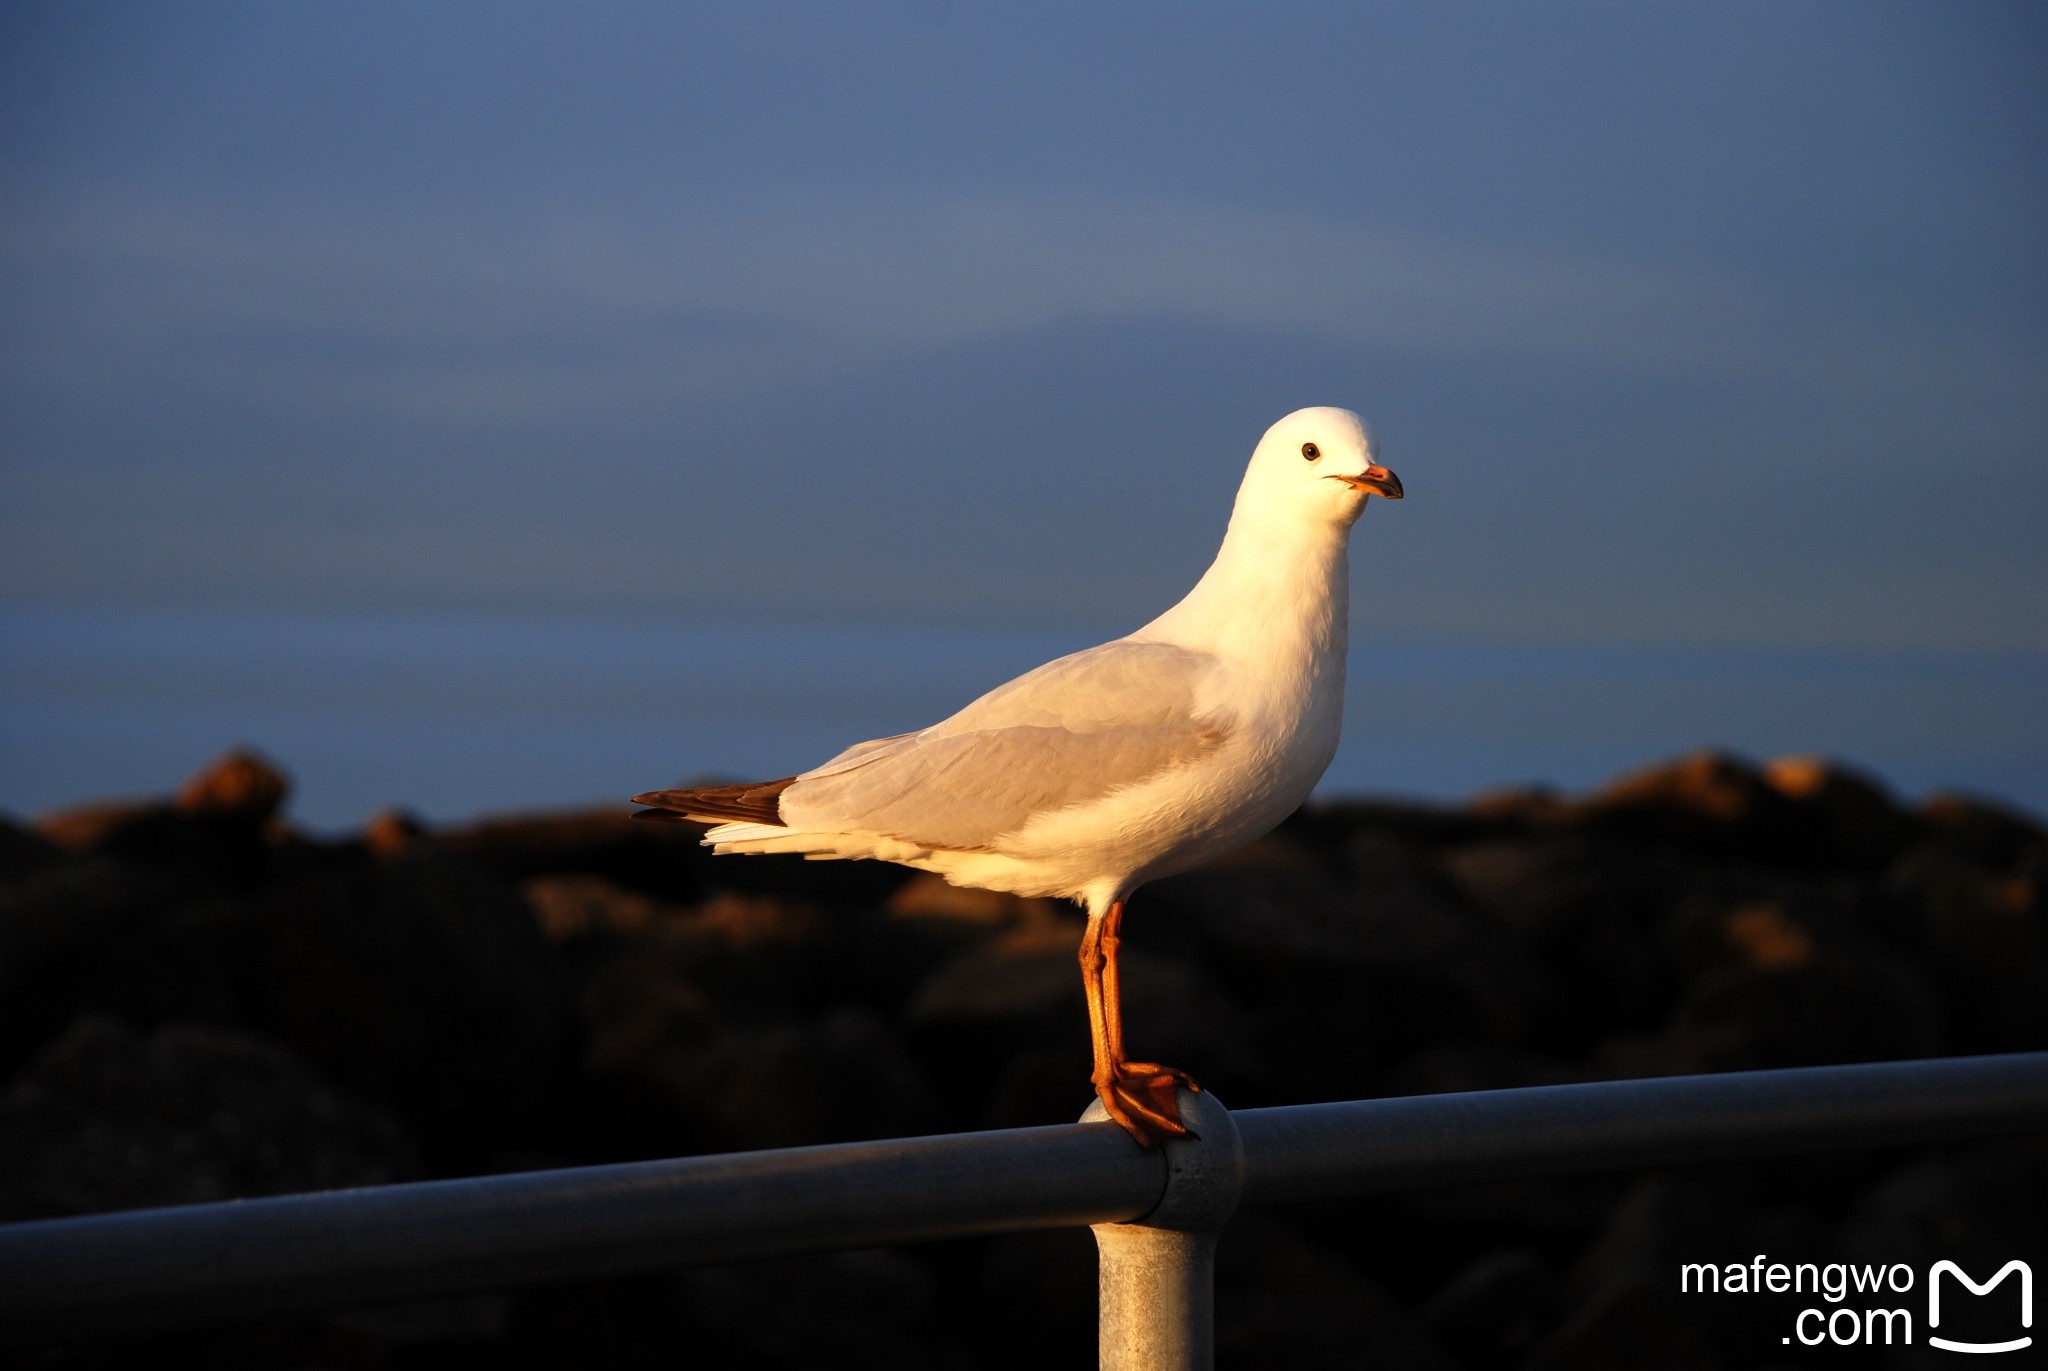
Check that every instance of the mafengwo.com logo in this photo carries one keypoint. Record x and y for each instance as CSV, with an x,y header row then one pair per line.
x,y
1866,1305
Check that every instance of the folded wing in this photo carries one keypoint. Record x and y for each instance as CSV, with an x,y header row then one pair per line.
x,y
1069,733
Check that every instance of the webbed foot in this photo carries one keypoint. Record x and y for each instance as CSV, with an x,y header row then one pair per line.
x,y
1142,1097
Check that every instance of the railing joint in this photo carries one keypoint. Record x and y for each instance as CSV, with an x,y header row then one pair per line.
x,y
1156,1281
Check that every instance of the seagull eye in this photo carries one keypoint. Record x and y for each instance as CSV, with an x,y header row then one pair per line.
x,y
1311,451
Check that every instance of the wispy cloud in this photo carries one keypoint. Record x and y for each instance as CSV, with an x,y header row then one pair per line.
x,y
458,313
217,334
437,310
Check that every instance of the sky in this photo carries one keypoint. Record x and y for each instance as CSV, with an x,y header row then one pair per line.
x,y
1687,328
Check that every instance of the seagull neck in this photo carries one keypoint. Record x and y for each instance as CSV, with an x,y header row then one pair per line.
x,y
1276,588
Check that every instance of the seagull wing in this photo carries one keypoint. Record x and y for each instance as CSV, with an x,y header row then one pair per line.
x,y
1069,733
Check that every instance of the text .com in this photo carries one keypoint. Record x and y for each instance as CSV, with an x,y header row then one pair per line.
x,y
1866,1308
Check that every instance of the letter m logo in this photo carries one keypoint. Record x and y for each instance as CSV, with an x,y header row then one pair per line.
x,y
2026,1305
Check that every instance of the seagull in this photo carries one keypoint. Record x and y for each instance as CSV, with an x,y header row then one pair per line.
x,y
1123,763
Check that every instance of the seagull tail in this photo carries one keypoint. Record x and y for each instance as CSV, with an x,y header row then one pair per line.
x,y
757,802
754,840
748,819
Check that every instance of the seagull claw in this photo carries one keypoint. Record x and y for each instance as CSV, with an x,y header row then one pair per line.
x,y
1143,1097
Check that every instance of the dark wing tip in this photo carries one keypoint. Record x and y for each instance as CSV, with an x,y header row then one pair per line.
x,y
662,816
755,802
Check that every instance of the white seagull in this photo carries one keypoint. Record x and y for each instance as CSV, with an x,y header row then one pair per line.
x,y
1137,759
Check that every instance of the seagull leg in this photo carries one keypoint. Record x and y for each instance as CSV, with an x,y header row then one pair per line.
x,y
1141,1096
1161,1082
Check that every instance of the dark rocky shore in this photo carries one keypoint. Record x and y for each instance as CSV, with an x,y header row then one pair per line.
x,y
199,1002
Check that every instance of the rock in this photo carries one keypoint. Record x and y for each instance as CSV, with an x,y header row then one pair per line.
x,y
577,906
1273,903
746,1021
1585,910
392,832
427,1327
1839,1006
1029,976
661,859
200,856
638,1021
1714,786
1332,822
107,1118
242,788
930,924
761,956
873,1308
1708,934
1524,807
1284,1300
1530,885
1801,976
1033,1299
839,1078
1493,1312
928,897
1710,804
1628,1308
1992,834
1272,923
541,990
1982,934
1980,918
633,1323
65,933
682,1079
1633,1324
215,835
421,984
1766,939
2008,1015
1441,973
1856,822
24,852
1346,961
1021,995
1437,1230
95,826
1979,1206
739,924
1029,1088
1448,1068
868,1308
1968,1199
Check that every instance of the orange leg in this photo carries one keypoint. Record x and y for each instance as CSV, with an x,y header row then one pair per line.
x,y
1139,1095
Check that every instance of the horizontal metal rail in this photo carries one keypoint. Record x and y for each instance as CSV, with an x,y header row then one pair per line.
x,y
153,1270
1362,1147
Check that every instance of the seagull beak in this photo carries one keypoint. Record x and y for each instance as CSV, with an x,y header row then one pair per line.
x,y
1374,480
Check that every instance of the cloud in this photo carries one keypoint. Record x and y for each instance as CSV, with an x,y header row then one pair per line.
x,y
338,401
479,310
471,312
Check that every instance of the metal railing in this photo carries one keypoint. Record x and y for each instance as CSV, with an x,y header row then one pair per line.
x,y
1155,1216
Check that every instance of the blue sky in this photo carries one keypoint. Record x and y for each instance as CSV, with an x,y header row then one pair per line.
x,y
1717,326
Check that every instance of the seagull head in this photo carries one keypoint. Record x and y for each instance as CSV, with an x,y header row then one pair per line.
x,y
1321,464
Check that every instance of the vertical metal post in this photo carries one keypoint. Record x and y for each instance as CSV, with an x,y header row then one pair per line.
x,y
1157,1284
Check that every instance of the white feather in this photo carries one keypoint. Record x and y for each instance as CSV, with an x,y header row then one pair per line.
x,y
1140,757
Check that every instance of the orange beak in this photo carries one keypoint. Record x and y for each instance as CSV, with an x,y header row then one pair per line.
x,y
1375,480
